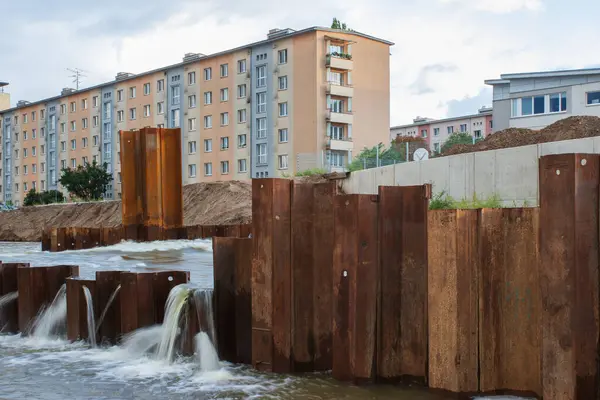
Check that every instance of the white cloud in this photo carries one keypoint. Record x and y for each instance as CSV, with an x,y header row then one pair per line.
x,y
500,6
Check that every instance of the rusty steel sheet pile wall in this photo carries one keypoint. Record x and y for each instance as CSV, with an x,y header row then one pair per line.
x,y
569,185
9,283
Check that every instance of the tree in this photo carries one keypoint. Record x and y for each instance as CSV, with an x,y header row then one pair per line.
x,y
414,143
87,182
457,138
34,198
336,24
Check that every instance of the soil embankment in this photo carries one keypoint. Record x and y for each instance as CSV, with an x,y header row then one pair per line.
x,y
220,203
565,129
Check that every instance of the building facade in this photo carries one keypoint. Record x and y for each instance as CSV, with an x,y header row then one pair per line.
x,y
295,101
537,99
436,131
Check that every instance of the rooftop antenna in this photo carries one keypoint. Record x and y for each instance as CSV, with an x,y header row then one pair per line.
x,y
78,73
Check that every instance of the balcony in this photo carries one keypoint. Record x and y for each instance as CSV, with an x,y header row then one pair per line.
x,y
340,90
339,61
340,118
337,144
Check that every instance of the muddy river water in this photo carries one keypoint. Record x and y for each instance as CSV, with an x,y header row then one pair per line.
x,y
53,369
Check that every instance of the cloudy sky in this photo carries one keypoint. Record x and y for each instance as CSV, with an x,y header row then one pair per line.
x,y
444,48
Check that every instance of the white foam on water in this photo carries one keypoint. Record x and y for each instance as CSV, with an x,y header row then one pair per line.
x,y
206,353
8,298
160,245
49,319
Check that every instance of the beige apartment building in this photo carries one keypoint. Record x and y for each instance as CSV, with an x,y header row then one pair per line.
x,y
298,100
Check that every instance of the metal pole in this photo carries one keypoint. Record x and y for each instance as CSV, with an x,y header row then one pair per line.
x,y
377,157
407,155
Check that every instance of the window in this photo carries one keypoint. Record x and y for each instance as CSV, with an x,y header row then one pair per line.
x,y
107,130
73,109
84,142
261,128
42,113
146,89
16,136
207,98
242,165
16,170
43,149
283,109
33,116
25,187
241,91
84,104
63,110
208,169
120,95
282,82
42,132
224,119
337,132
147,110
283,135
95,101
34,169
450,130
261,153
33,134
84,160
192,101
192,170
132,113
283,161
282,56
43,185
175,95
24,135
95,121
53,122
241,116
17,118
25,153
224,94
541,104
477,134
107,111
33,151
463,128
160,85
160,107
261,76
120,115
84,123
43,167
73,144
191,78
73,162
208,121
132,92
175,119
73,126
241,66
17,187
242,141
592,98
261,102
207,74
224,143
192,124
207,145
95,140
224,70
63,146
337,159
192,147
224,167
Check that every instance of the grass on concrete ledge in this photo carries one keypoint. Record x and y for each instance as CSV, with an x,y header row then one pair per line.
x,y
443,201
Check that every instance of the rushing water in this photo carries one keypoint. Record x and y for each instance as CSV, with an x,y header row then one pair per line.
x,y
111,299
8,298
45,366
91,318
50,323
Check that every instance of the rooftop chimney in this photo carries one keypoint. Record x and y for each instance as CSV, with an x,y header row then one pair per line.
x,y
192,56
123,75
67,91
276,32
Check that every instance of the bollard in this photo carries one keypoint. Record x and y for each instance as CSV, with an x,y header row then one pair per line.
x,y
107,282
9,316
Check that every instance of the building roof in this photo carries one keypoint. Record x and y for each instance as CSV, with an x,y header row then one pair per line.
x,y
443,120
505,78
290,33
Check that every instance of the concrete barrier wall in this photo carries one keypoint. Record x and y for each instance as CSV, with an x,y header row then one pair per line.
x,y
512,173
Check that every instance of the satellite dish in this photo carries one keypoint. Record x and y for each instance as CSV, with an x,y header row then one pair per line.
x,y
420,154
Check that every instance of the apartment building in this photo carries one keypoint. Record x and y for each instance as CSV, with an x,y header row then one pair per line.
x,y
436,131
294,101
537,99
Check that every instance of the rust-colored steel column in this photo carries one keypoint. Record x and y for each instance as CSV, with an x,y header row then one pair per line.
x,y
32,295
509,301
106,284
47,239
95,237
70,234
355,287
224,266
152,173
271,275
171,178
55,277
322,275
131,186
569,185
137,301
452,300
402,310
9,315
58,240
77,309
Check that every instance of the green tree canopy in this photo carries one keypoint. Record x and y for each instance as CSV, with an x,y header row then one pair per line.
x,y
34,198
87,182
336,24
369,157
456,138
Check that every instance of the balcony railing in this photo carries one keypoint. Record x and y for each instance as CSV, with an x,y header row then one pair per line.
x,y
339,61
344,144
335,89
340,117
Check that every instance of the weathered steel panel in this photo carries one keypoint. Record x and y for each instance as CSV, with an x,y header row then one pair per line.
x,y
153,212
171,176
10,284
510,303
107,283
129,302
164,281
243,300
569,185
130,190
32,295
452,300
224,255
74,294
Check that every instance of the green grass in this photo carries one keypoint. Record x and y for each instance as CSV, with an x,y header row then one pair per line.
x,y
443,201
311,172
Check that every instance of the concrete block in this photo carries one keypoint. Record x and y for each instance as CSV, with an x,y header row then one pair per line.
x,y
585,145
485,174
436,172
516,174
407,174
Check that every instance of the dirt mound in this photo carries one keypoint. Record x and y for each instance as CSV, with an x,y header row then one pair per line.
x,y
219,203
565,129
